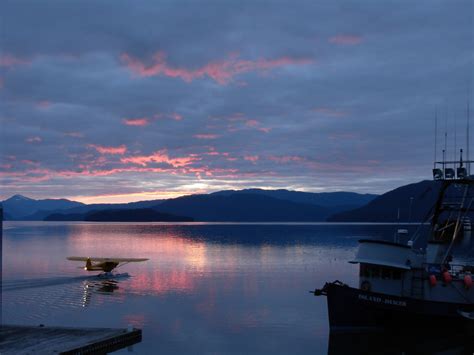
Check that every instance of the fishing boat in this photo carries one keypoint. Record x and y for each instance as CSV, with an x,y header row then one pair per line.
x,y
414,284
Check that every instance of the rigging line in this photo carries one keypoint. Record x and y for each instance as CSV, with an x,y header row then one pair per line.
x,y
443,230
429,215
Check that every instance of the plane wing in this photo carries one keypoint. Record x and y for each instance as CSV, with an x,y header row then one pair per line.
x,y
116,260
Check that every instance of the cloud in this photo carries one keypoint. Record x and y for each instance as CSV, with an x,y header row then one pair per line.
x,y
251,158
206,136
74,134
252,123
222,71
176,117
160,156
33,139
141,122
8,60
120,150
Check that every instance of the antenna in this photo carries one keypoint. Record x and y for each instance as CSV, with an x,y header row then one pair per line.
x,y
444,154
436,136
445,150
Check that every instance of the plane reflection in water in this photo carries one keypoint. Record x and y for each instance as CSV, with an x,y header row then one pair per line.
x,y
104,287
400,344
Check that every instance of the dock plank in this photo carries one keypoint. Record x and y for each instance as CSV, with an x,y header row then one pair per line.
x,y
23,340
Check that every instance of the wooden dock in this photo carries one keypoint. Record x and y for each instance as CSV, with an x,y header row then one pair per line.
x,y
18,340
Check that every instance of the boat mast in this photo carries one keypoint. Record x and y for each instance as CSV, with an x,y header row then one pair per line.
x,y
455,142
467,141
445,151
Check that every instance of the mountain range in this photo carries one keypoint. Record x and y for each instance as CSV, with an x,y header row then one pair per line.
x,y
409,203
229,205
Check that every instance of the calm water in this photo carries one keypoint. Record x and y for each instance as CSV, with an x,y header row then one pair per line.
x,y
207,288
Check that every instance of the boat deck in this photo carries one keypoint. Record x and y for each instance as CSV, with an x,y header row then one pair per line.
x,y
18,340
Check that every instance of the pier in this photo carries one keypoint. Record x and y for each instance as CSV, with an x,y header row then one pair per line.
x,y
16,339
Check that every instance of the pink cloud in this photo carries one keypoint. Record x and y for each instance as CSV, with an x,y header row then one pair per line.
x,y
160,156
34,140
8,60
345,39
251,158
252,123
176,116
222,71
140,122
206,136
256,124
120,150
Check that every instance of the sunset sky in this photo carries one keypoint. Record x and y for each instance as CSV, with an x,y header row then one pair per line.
x,y
112,101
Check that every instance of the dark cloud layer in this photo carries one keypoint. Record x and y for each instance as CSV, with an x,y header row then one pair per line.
x,y
134,100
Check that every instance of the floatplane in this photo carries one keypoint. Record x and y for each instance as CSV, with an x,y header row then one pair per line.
x,y
105,265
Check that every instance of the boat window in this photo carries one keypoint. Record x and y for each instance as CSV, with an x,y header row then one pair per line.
x,y
386,273
375,272
364,270
397,274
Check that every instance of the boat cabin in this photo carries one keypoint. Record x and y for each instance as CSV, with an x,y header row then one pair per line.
x,y
386,267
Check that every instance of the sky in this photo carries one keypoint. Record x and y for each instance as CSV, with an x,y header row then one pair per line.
x,y
117,101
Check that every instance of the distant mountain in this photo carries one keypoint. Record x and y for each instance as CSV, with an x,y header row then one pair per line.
x,y
338,200
18,206
83,209
385,207
243,207
120,215
324,204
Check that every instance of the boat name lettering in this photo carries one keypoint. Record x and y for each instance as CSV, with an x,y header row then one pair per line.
x,y
383,300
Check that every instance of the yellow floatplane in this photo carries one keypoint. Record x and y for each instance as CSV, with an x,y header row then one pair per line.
x,y
104,264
